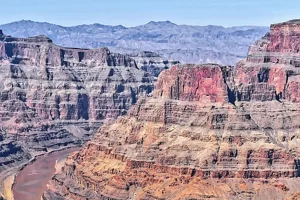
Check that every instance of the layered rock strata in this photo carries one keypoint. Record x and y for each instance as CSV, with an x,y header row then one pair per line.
x,y
208,132
53,97
151,62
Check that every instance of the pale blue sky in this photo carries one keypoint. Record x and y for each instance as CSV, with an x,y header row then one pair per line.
x,y
137,12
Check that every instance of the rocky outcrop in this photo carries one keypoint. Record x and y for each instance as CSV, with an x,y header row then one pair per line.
x,y
208,132
272,63
151,62
53,97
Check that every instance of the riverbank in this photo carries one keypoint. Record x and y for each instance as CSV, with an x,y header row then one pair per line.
x,y
10,181
7,184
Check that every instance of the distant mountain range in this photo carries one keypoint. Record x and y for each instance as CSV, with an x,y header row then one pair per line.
x,y
187,44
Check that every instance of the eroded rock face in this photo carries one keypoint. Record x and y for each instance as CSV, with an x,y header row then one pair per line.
x,y
208,132
272,64
151,62
53,97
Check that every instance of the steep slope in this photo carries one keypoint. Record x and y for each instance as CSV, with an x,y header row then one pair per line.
x,y
53,97
187,44
208,132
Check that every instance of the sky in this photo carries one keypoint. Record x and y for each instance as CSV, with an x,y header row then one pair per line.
x,y
137,12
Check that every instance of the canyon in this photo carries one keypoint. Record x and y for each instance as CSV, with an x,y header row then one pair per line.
x,y
207,132
53,98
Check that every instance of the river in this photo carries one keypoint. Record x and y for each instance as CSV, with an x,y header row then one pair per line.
x,y
32,181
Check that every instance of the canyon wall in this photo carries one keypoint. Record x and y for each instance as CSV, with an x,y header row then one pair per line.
x,y
208,132
53,97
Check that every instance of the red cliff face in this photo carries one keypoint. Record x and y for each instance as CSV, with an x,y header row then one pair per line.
x,y
189,83
284,37
272,63
208,132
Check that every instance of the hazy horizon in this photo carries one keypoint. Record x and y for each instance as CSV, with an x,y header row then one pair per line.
x,y
138,12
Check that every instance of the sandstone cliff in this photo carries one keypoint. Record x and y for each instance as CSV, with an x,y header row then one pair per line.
x,y
53,97
208,132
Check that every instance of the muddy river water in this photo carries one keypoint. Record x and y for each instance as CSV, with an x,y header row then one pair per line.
x,y
32,181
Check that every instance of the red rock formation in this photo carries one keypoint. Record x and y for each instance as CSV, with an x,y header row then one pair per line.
x,y
209,132
202,84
